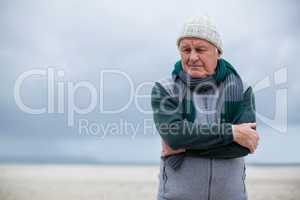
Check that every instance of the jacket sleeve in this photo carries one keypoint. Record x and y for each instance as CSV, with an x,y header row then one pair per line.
x,y
177,132
233,150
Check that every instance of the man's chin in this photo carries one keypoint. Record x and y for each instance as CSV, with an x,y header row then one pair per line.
x,y
197,74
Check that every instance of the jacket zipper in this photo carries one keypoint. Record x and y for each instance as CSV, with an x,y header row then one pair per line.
x,y
210,178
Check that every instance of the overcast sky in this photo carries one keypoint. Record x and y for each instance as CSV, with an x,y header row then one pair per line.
x,y
82,38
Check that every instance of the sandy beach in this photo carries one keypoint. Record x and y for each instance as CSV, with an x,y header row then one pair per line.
x,y
109,182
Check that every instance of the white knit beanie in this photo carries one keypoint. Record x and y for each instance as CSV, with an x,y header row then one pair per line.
x,y
202,28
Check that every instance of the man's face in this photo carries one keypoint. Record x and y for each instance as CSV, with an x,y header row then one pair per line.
x,y
199,57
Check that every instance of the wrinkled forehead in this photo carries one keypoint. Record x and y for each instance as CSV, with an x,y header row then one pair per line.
x,y
191,41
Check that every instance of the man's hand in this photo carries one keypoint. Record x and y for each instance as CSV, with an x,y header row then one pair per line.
x,y
246,135
166,150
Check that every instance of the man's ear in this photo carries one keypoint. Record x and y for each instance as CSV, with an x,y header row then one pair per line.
x,y
218,52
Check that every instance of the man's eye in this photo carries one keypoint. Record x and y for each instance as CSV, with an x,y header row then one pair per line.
x,y
186,50
200,50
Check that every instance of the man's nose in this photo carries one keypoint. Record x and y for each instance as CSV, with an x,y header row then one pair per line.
x,y
194,56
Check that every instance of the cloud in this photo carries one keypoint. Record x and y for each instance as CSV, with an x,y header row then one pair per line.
x,y
83,38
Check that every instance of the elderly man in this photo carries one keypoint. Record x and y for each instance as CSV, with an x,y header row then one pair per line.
x,y
206,120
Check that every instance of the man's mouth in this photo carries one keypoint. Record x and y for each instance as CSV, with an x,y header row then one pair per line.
x,y
195,66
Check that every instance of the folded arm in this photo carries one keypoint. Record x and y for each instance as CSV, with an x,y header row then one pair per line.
x,y
179,133
201,139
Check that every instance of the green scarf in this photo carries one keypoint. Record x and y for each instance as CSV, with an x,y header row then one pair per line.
x,y
231,108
